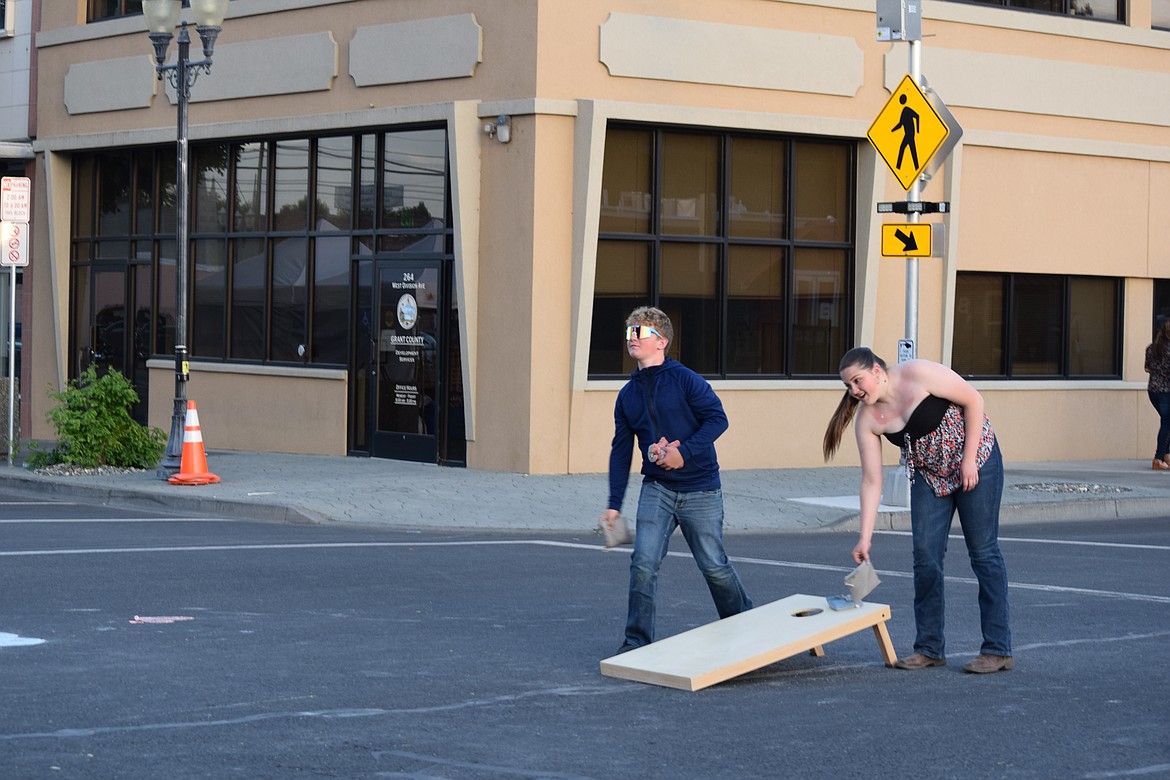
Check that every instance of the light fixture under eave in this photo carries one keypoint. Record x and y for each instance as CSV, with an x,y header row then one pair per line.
x,y
503,128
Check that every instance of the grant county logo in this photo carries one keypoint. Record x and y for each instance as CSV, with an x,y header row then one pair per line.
x,y
407,311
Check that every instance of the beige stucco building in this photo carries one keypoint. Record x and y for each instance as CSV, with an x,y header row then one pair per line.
x,y
439,201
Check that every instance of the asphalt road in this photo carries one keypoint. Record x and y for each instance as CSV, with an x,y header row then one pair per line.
x,y
215,648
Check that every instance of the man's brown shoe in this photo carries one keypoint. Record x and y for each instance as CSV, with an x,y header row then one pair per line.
x,y
918,661
986,664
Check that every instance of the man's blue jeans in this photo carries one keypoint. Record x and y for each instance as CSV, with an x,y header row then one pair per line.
x,y
930,521
700,516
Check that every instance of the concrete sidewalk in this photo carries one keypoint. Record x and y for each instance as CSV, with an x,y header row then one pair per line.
x,y
367,491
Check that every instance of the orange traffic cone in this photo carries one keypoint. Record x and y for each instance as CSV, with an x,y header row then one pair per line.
x,y
193,466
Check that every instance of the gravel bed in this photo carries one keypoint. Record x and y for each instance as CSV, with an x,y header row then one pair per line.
x,y
1071,487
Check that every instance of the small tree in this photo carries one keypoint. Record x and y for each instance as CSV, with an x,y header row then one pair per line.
x,y
94,426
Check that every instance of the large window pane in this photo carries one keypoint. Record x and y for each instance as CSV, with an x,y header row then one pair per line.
x,y
689,288
144,196
1037,323
1104,10
414,191
249,280
820,308
330,299
207,313
755,310
114,193
290,261
166,283
367,189
1161,13
108,9
84,185
334,201
1092,327
82,318
756,188
978,340
626,182
621,284
211,189
290,185
168,200
690,184
1109,10
250,204
822,193
1161,303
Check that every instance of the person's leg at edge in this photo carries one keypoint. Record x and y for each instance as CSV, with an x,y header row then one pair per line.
x,y
930,523
655,524
1161,402
979,519
700,516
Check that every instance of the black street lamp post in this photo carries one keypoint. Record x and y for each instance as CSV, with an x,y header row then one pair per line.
x,y
162,16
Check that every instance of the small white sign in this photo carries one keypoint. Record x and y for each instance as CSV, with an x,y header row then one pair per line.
x,y
15,199
13,243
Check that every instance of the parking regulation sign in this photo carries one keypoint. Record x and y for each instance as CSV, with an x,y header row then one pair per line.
x,y
15,199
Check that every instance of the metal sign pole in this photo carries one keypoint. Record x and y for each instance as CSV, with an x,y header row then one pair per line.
x,y
915,194
11,362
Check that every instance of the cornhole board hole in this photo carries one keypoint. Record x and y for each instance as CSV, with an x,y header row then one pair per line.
x,y
742,643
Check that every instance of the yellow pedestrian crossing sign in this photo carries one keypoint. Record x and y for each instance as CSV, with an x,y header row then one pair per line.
x,y
908,132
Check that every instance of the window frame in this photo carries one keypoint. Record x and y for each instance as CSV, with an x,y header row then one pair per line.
x,y
1008,334
1068,6
147,233
95,13
725,243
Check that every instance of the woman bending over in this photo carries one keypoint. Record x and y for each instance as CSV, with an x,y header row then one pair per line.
x,y
927,409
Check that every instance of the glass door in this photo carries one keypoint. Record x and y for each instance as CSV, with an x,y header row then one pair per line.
x,y
406,395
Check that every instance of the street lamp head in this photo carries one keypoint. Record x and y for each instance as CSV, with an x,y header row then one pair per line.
x,y
162,16
208,13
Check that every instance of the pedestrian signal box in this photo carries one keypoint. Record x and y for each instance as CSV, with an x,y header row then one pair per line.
x,y
899,20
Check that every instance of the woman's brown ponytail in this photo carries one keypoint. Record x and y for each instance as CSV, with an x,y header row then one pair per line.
x,y
863,358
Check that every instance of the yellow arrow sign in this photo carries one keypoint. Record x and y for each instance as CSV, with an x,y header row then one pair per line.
x,y
906,239
907,132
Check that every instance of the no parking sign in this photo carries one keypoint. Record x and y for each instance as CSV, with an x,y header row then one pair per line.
x,y
15,199
14,243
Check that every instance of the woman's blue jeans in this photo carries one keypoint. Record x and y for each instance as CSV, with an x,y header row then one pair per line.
x,y
700,516
930,521
1161,402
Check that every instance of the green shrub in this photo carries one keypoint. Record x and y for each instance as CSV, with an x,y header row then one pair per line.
x,y
94,426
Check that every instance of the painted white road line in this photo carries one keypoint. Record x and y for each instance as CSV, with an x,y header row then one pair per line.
x,y
290,546
38,503
52,520
571,545
1070,542
15,640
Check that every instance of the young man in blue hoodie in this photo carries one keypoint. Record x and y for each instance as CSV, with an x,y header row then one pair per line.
x,y
676,418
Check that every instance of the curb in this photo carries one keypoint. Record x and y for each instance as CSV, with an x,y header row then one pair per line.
x,y
144,500
187,499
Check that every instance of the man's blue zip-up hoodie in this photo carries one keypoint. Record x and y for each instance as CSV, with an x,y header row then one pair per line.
x,y
673,401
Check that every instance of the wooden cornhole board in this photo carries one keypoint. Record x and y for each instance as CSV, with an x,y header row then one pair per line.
x,y
742,643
